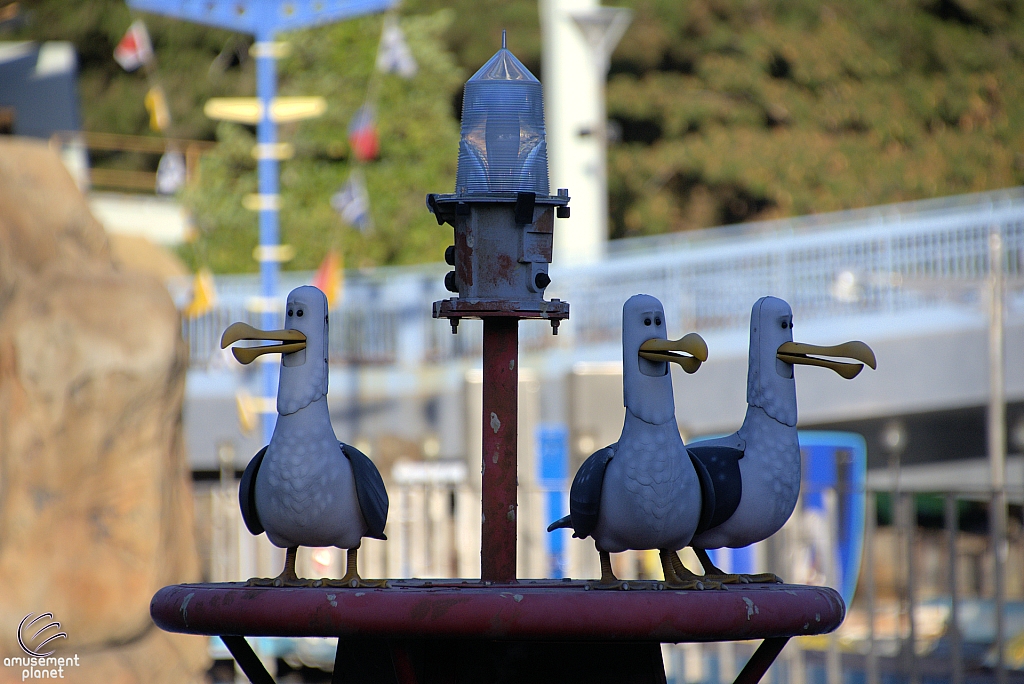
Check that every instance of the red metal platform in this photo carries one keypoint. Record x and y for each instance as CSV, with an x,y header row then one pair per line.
x,y
527,610
532,631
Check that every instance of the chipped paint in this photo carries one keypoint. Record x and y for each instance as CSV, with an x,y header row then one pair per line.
x,y
495,422
184,607
751,608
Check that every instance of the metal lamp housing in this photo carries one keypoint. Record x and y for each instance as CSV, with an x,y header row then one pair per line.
x,y
501,211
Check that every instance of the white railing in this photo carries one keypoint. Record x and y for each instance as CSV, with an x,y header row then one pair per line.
x,y
879,261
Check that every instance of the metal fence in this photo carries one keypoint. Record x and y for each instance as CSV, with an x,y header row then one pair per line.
x,y
882,261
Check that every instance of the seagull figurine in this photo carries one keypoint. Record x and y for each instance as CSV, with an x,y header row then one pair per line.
x,y
643,491
753,475
306,488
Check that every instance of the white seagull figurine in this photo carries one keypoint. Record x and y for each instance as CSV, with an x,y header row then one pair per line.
x,y
753,475
306,488
643,491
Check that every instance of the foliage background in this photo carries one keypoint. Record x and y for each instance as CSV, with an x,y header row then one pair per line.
x,y
729,111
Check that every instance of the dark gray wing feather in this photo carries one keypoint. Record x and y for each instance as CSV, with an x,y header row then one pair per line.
x,y
707,494
373,497
722,464
247,493
585,493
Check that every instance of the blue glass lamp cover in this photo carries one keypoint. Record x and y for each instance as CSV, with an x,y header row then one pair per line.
x,y
503,147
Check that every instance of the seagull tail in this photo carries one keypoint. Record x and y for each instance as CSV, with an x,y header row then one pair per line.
x,y
560,523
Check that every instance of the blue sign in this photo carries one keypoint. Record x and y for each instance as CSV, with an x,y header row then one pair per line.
x,y
834,474
553,476
835,466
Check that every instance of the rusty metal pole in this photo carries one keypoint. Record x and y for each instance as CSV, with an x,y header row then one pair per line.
x,y
500,432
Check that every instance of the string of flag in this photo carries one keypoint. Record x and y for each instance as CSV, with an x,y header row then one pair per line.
x,y
352,200
135,51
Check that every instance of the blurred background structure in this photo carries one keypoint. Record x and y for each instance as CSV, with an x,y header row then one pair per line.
x,y
861,160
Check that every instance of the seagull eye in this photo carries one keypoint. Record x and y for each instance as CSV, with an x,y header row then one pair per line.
x,y
657,320
784,324
299,313
647,321
290,312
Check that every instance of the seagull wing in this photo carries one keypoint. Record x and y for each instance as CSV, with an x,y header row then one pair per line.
x,y
722,467
733,441
247,493
585,493
707,494
373,497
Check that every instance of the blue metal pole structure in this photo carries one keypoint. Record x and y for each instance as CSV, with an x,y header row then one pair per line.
x,y
265,19
269,203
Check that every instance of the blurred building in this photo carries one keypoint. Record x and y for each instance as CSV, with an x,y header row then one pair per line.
x,y
907,279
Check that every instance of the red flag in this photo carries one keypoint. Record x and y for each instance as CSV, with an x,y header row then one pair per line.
x,y
362,134
134,50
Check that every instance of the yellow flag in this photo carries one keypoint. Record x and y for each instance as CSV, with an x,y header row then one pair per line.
x,y
156,105
204,295
329,278
248,416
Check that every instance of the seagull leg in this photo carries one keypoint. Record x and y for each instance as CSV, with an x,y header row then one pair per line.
x,y
287,578
352,578
678,576
712,571
608,579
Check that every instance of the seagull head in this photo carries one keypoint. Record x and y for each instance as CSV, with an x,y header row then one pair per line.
x,y
646,353
303,348
773,353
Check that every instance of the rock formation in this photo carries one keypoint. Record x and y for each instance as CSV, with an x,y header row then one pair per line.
x,y
95,496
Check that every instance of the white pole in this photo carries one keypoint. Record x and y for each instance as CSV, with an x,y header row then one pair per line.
x,y
578,38
997,439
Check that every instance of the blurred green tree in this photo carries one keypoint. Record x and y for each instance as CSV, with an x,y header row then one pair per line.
x,y
739,110
729,111
419,139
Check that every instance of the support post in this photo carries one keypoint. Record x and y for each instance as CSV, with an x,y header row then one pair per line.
x,y
870,528
762,659
266,171
953,630
908,505
499,467
247,659
997,442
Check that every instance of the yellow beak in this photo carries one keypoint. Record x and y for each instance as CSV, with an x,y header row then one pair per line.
x,y
665,350
294,340
795,352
